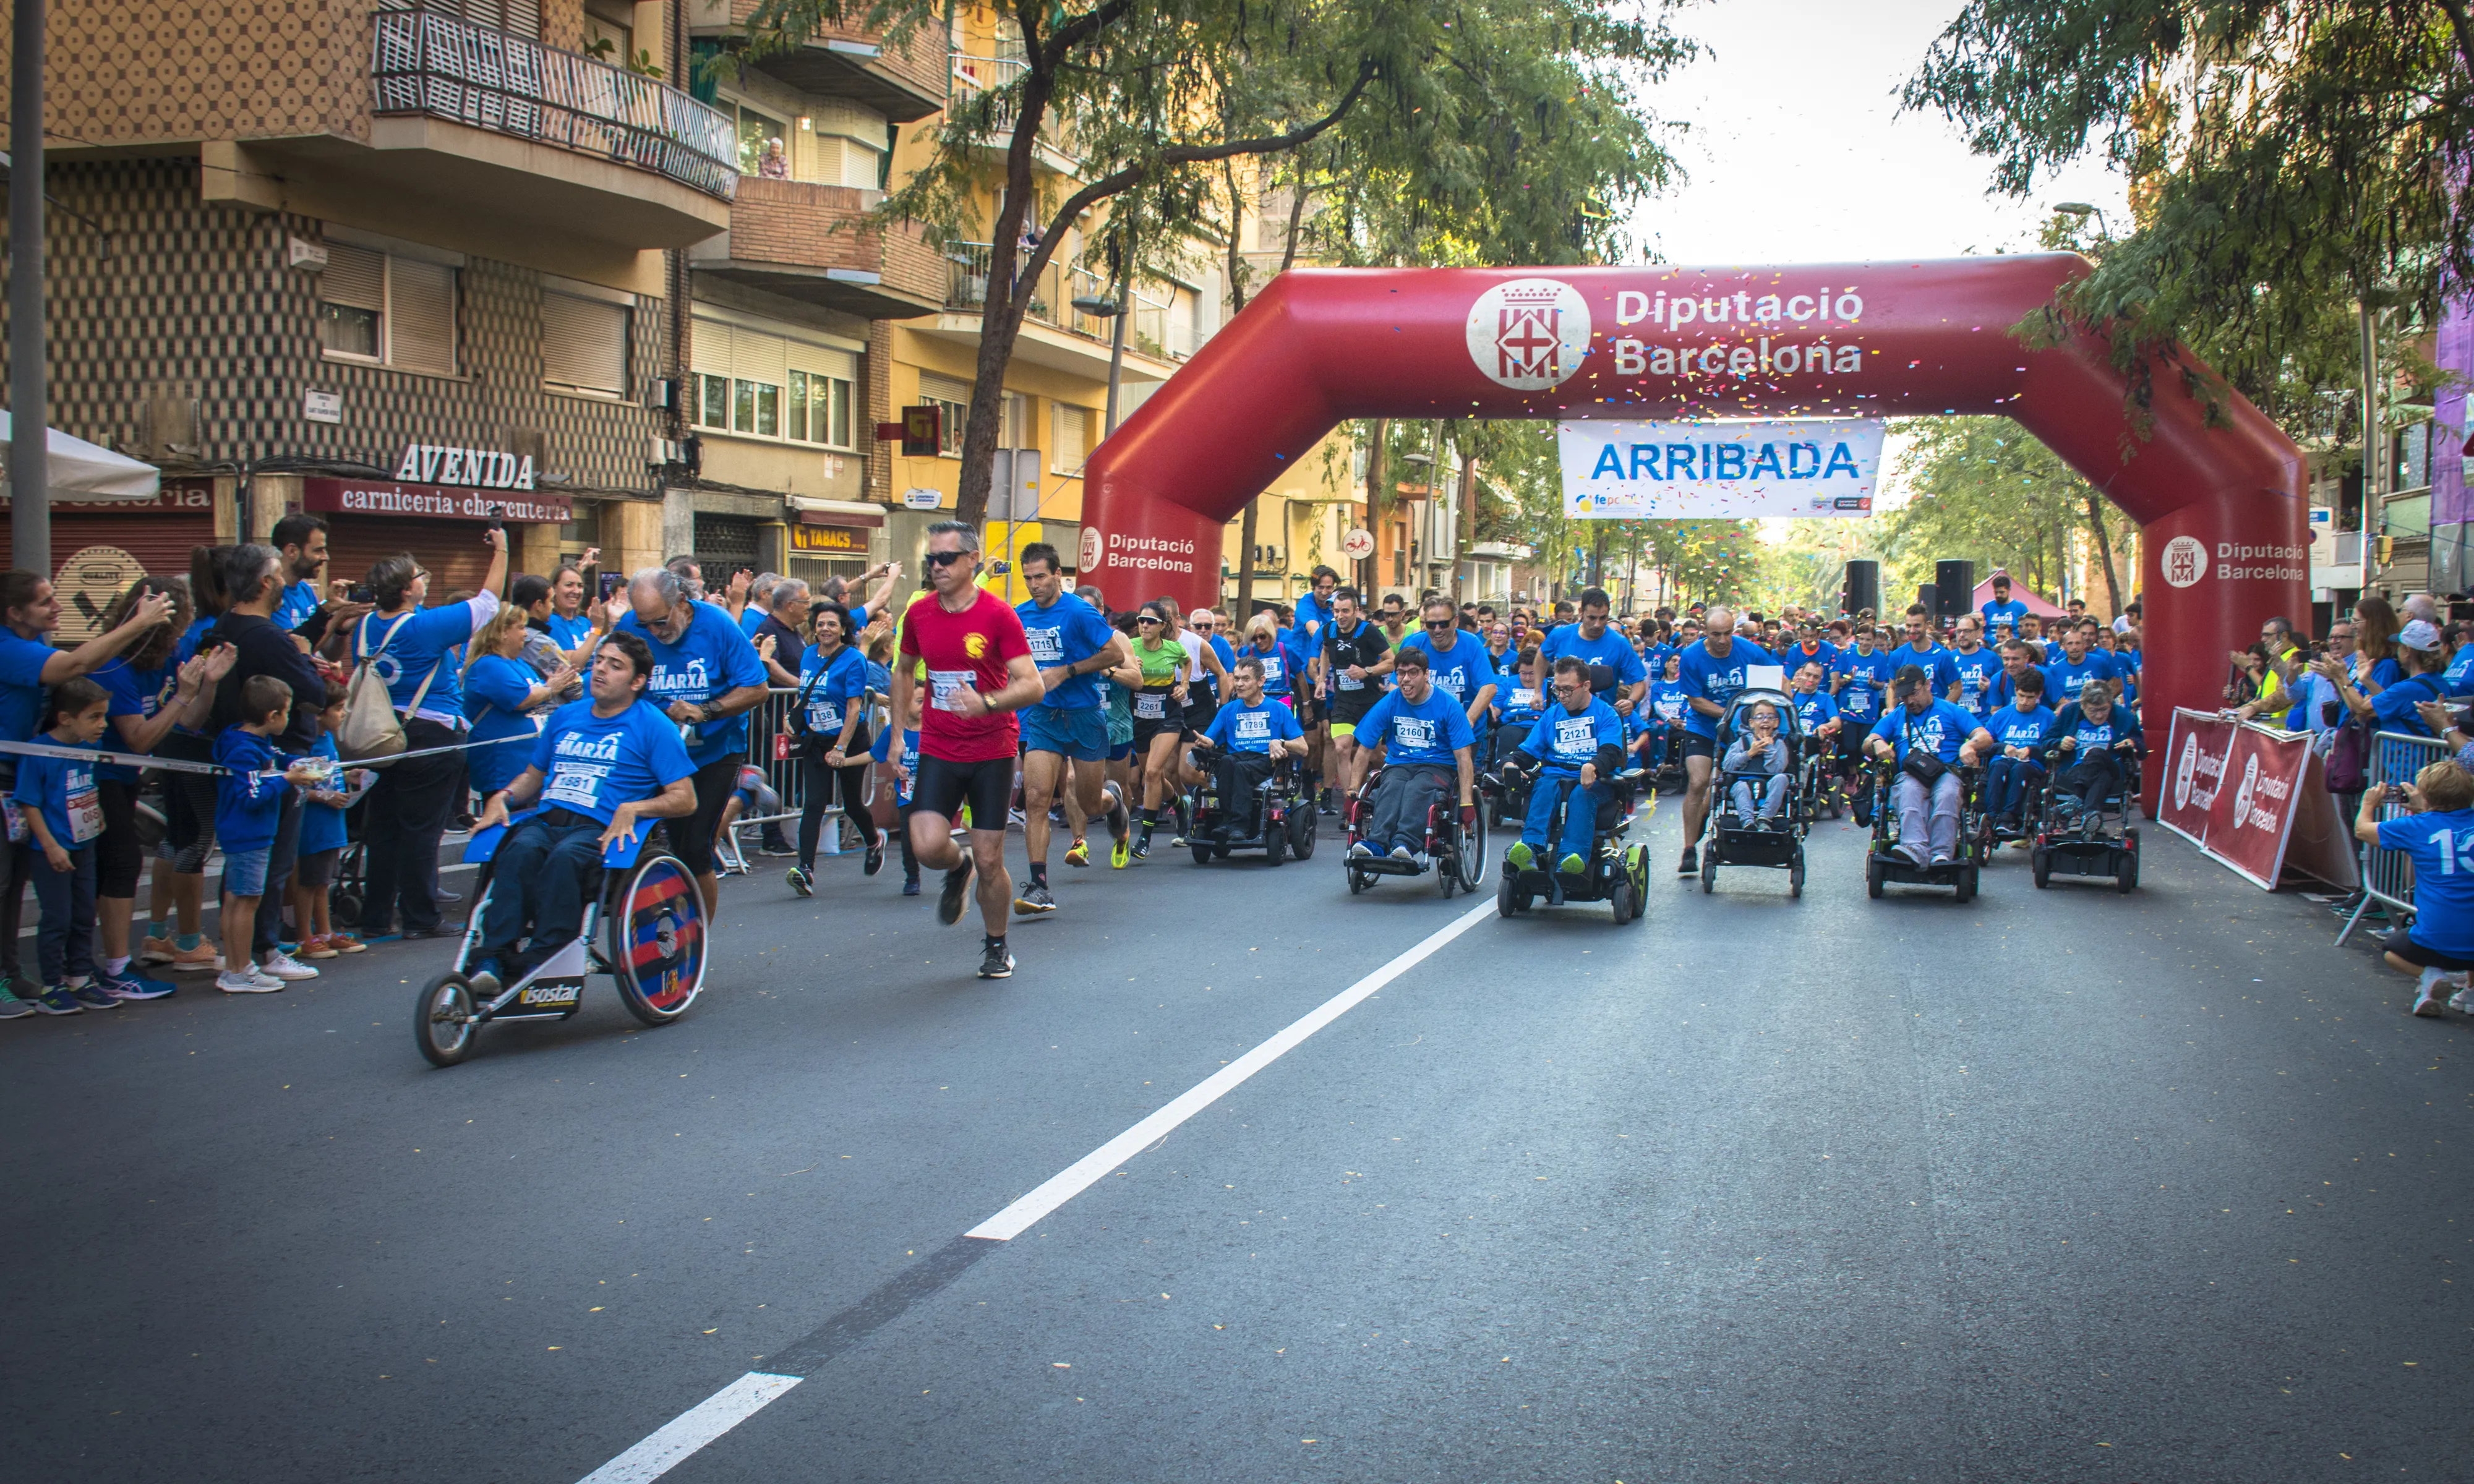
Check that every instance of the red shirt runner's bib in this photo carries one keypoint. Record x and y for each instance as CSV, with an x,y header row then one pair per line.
x,y
969,648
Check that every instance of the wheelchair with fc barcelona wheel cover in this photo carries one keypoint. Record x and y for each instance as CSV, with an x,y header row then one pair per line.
x,y
646,914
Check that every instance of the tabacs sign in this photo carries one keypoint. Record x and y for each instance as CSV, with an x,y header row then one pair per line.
x,y
476,468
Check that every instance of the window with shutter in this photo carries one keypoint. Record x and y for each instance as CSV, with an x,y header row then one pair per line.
x,y
954,398
352,302
421,315
1066,442
584,344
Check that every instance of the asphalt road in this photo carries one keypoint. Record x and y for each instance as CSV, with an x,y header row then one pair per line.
x,y
2057,1186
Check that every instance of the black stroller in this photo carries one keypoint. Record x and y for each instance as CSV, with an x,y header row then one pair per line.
x,y
1776,840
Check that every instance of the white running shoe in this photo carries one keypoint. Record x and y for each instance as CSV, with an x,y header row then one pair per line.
x,y
247,981
283,966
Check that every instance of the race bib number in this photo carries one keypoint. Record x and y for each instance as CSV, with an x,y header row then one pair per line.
x,y
942,683
1528,697
1576,738
1347,682
825,716
1151,705
85,814
1275,673
1411,733
1255,727
575,785
1047,645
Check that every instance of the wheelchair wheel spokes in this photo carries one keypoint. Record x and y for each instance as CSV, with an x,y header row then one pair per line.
x,y
443,1020
657,940
1473,861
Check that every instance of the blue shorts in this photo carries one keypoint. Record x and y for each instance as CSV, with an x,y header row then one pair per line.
x,y
245,871
1081,732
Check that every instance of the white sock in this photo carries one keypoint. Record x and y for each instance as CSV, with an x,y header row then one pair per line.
x,y
113,966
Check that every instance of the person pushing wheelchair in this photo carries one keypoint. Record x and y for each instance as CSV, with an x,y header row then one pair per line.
x,y
601,765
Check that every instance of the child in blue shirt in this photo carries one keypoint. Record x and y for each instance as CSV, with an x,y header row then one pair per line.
x,y
2438,835
2018,764
64,814
906,770
249,801
323,840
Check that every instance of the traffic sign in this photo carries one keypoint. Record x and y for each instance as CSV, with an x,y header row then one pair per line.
x,y
1358,544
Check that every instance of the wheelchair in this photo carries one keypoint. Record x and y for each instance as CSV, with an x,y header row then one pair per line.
x,y
1506,801
1284,817
1727,840
2099,842
1884,866
651,914
1458,851
1618,873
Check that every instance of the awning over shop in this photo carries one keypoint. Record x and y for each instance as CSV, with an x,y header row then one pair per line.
x,y
85,471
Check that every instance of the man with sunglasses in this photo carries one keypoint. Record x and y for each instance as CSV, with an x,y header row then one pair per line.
x,y
1456,662
979,671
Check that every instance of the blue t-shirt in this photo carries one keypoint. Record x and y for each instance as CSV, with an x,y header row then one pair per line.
x,y
1068,631
1515,702
2062,678
2001,620
63,789
1305,640
592,764
2126,664
1462,673
139,693
712,657
21,683
1666,700
2120,723
750,620
2395,705
1976,672
1276,664
426,641
321,826
1421,733
1941,728
250,798
1706,677
2013,728
186,649
1816,711
831,688
2441,847
910,760
1609,647
570,633
1862,682
495,689
1239,727
1824,654
1935,663
1562,739
300,601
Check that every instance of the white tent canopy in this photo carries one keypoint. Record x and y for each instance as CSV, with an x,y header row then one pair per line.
x,y
85,471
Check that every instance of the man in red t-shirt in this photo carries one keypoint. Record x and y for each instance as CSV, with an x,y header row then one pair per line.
x,y
979,673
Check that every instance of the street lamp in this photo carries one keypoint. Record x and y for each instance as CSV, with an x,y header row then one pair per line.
x,y
2082,210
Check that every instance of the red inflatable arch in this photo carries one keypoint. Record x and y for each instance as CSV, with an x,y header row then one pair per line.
x,y
2224,507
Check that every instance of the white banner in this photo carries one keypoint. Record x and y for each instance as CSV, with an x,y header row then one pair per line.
x,y
1719,470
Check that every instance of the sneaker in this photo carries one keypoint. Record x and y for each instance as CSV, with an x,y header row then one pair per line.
x,y
154,951
2431,1001
442,895
58,1001
1078,855
949,900
128,986
1403,853
910,886
12,1008
1034,901
316,946
1120,852
250,980
995,963
1571,866
800,881
484,980
201,958
1142,851
92,995
2463,999
1121,821
1690,864
1361,851
874,861
1520,857
345,943
283,966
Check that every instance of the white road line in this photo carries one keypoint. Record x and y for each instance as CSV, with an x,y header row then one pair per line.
x,y
1078,1177
693,1428
748,1395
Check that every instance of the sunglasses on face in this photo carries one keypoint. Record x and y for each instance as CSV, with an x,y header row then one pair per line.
x,y
1438,623
1147,621
943,559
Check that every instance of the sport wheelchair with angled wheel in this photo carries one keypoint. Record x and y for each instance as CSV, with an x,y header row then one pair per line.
x,y
1455,852
1617,871
1284,817
2065,839
1885,864
645,910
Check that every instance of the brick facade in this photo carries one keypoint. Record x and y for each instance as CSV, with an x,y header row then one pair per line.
x,y
804,225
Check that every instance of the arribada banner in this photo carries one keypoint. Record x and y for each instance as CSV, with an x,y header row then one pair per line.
x,y
1730,470
2252,798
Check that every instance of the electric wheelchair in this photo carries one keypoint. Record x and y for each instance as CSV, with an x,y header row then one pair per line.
x,y
2094,843
1885,864
1618,870
1284,816
1777,842
649,913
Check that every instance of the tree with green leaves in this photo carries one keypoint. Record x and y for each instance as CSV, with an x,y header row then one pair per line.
x,y
2289,162
1426,111
1986,490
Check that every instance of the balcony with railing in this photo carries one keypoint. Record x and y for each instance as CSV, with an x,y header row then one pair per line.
x,y
1149,341
902,80
815,242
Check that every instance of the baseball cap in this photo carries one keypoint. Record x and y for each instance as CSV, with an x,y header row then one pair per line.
x,y
2418,635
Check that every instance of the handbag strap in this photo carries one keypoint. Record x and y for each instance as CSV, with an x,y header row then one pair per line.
x,y
420,694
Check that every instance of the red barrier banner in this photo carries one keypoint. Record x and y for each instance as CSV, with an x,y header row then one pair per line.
x,y
2252,799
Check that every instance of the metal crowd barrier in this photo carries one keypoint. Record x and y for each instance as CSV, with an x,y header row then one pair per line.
x,y
773,748
2388,875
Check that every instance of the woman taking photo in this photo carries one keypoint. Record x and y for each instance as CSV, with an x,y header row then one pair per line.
x,y
832,750
502,693
407,648
149,692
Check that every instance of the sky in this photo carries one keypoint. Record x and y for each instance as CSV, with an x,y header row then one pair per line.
x,y
1798,151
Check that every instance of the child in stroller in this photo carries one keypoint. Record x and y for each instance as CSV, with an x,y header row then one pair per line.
x,y
1765,775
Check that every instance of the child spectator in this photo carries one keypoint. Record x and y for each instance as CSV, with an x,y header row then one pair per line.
x,y
2438,834
323,840
906,770
63,813
249,800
